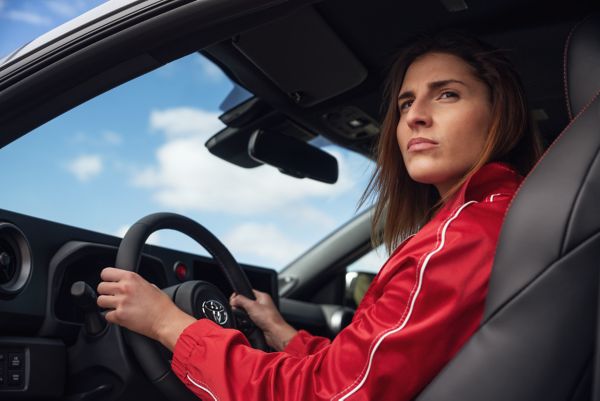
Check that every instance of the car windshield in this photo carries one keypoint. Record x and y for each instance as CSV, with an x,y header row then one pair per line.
x,y
139,149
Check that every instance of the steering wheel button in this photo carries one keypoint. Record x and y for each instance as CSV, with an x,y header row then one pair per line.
x,y
15,378
16,361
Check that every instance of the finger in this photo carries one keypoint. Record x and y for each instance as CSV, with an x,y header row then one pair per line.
x,y
107,301
112,274
107,288
262,297
233,300
111,316
241,301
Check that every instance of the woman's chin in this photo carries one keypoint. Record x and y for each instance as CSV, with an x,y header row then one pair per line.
x,y
428,175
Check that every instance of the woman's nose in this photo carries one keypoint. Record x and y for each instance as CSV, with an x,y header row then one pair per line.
x,y
418,116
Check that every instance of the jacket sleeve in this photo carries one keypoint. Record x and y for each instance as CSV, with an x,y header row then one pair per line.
x,y
304,343
428,308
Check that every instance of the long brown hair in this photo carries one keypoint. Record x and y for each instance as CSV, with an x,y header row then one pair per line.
x,y
404,205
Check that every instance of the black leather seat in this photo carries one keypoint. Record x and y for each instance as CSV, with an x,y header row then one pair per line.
x,y
537,338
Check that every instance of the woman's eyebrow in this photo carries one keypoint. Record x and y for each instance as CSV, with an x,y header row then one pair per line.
x,y
432,86
439,84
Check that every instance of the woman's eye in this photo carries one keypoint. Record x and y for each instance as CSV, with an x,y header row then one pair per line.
x,y
448,95
405,105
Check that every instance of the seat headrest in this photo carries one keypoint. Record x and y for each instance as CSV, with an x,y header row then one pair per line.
x,y
582,64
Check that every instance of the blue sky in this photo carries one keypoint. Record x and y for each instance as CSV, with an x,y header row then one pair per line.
x,y
140,149
24,20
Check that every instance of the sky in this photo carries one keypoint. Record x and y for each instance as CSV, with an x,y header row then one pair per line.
x,y
24,20
139,149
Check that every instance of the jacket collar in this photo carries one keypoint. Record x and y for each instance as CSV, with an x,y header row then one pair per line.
x,y
493,178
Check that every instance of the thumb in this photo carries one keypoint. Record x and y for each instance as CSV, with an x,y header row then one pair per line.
x,y
240,301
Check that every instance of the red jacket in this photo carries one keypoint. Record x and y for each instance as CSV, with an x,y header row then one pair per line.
x,y
427,300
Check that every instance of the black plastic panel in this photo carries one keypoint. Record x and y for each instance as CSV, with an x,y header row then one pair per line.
x,y
82,261
31,368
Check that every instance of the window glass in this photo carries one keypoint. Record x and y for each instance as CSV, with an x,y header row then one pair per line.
x,y
21,21
139,149
371,262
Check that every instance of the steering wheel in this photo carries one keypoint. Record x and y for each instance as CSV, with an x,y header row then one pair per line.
x,y
197,298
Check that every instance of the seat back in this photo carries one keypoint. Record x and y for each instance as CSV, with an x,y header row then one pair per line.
x,y
536,340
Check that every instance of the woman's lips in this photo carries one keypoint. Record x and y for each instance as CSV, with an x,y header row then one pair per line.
x,y
420,144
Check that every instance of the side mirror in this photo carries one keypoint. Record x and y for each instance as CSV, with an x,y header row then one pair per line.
x,y
293,156
357,284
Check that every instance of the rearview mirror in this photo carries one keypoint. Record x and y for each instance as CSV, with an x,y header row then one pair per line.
x,y
293,156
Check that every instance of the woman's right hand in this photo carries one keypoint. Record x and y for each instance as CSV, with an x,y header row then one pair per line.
x,y
265,315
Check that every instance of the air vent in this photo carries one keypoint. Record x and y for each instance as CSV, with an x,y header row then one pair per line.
x,y
15,259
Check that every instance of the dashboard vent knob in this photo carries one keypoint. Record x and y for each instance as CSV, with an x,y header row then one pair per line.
x,y
7,265
15,259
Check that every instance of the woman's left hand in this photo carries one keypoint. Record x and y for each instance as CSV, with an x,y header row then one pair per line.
x,y
140,306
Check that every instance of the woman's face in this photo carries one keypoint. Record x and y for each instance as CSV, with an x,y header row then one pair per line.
x,y
445,115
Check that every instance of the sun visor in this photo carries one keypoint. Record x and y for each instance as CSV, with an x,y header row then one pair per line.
x,y
303,56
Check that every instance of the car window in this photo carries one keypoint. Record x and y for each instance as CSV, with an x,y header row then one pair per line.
x,y
139,149
371,262
21,21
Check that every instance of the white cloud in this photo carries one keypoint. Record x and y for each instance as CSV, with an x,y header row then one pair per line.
x,y
210,71
63,8
185,122
85,167
314,217
28,17
264,241
79,137
97,140
187,177
68,8
153,239
112,138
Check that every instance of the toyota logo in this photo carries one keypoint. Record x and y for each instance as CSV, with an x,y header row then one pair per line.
x,y
215,311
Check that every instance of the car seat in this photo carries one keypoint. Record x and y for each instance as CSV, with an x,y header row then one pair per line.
x,y
537,337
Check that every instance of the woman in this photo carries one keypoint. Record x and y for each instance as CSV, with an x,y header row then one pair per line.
x,y
455,141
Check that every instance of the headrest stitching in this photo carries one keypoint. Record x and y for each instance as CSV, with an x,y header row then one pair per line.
x,y
565,82
565,65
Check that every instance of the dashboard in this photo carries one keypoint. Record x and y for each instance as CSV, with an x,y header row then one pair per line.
x,y
39,262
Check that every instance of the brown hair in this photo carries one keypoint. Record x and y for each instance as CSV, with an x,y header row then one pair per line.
x,y
404,205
